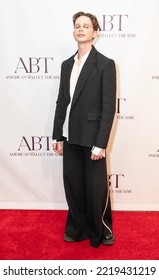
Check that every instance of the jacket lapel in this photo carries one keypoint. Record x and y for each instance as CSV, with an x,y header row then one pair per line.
x,y
85,72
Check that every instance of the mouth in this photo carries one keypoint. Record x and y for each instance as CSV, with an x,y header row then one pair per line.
x,y
81,35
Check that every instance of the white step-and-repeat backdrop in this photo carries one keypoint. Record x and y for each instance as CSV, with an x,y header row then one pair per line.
x,y
36,36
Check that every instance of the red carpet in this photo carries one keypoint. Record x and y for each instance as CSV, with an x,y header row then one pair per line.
x,y
38,235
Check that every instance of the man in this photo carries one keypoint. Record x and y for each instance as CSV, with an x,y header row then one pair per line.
x,y
83,120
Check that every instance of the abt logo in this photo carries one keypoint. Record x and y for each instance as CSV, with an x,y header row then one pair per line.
x,y
119,102
115,180
113,22
36,143
34,64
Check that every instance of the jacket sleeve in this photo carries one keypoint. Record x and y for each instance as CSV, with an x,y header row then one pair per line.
x,y
60,111
108,107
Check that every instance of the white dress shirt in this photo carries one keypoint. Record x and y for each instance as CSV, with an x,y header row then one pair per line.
x,y
77,67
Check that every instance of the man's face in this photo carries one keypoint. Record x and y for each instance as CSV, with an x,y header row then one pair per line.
x,y
83,30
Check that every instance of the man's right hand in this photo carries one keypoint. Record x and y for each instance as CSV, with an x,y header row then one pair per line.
x,y
58,148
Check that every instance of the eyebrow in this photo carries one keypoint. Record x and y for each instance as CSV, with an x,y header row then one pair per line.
x,y
83,24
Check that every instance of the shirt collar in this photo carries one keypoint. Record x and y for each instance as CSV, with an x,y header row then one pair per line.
x,y
83,58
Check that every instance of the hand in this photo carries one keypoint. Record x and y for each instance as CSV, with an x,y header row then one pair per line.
x,y
58,148
99,156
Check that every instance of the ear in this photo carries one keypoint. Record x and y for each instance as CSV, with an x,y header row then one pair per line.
x,y
95,34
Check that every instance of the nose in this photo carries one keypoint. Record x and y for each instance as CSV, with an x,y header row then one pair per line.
x,y
80,29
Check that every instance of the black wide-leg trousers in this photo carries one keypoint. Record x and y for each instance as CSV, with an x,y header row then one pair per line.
x,y
87,195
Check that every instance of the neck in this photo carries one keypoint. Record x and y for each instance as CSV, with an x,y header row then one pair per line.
x,y
83,49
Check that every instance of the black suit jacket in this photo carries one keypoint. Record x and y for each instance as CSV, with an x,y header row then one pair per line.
x,y
94,101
